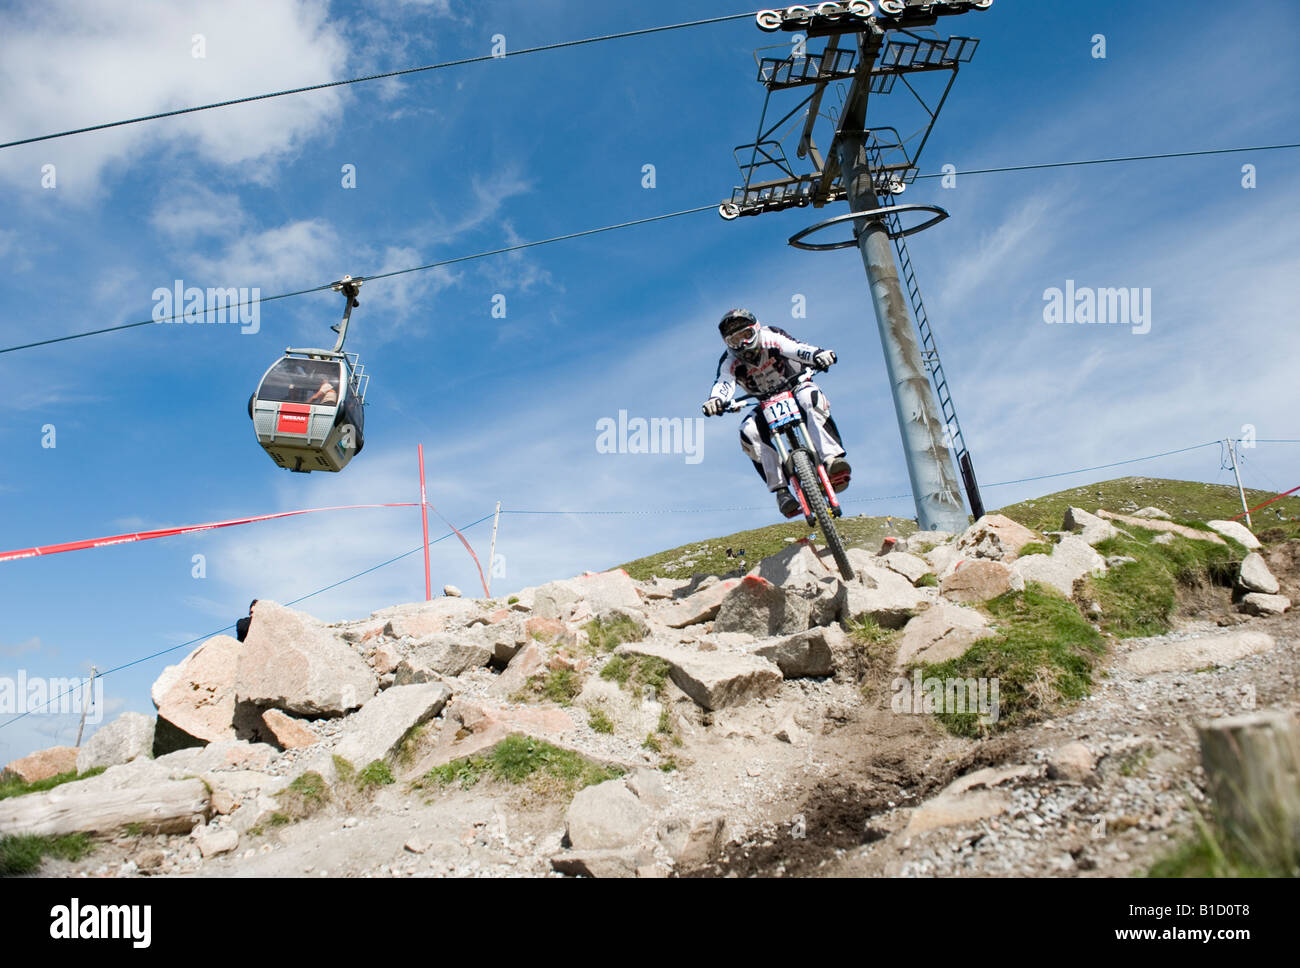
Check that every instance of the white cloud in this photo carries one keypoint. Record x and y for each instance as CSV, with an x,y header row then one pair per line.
x,y
65,64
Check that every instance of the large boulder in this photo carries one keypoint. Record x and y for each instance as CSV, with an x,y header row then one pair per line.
x,y
759,608
1071,559
816,652
713,679
444,654
606,816
1094,529
797,562
943,631
881,594
42,764
292,662
121,741
1238,532
700,607
1255,576
978,580
995,536
908,565
195,698
377,730
598,590
1257,603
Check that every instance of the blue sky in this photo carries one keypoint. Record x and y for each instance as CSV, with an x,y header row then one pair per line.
x,y
150,422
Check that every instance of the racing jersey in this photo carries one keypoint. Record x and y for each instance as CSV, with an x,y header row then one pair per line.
x,y
780,357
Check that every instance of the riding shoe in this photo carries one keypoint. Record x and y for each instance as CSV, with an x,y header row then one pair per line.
x,y
788,504
839,471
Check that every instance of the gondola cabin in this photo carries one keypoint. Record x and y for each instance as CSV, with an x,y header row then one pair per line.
x,y
308,411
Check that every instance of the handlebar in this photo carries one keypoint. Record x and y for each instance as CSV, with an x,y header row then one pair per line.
x,y
736,404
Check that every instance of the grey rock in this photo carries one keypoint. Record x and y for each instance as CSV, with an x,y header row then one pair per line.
x,y
810,653
1255,576
943,631
1094,529
1257,603
292,662
377,730
1237,531
121,741
623,862
713,679
443,654
606,816
1071,559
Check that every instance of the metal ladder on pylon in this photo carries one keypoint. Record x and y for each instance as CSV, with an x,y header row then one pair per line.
x,y
930,354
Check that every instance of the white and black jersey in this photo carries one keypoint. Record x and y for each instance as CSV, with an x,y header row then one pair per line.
x,y
779,358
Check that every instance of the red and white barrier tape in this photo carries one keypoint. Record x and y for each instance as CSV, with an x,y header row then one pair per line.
x,y
171,532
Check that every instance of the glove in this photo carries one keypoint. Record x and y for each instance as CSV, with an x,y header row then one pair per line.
x,y
713,406
824,359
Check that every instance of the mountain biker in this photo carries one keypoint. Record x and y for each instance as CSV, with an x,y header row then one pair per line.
x,y
763,359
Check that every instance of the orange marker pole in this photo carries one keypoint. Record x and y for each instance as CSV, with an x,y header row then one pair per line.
x,y
424,520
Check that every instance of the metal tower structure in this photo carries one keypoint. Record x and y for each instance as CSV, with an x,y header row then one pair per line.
x,y
873,48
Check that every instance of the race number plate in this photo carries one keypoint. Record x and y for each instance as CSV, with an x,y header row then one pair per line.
x,y
781,410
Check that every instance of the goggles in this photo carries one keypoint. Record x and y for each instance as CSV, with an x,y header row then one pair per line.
x,y
741,337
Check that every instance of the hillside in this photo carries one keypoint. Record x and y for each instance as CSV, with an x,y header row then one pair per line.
x,y
1185,500
1012,700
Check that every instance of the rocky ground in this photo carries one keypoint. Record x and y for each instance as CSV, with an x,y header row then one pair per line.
x,y
746,731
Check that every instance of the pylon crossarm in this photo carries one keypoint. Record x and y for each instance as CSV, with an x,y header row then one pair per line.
x,y
796,240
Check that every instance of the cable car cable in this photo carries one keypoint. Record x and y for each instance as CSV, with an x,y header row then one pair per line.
x,y
376,77
633,222
385,275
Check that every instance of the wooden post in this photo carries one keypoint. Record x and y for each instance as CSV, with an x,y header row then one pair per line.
x,y
492,551
85,704
1252,764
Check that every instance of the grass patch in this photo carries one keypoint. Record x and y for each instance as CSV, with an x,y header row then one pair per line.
x,y
709,557
512,599
636,672
559,686
1035,548
517,759
1140,598
1209,853
607,635
600,722
928,580
375,774
1042,656
22,854
307,794
14,787
652,743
